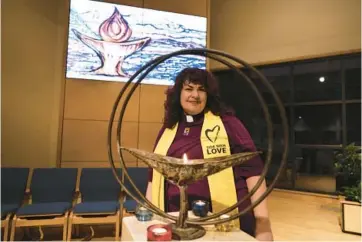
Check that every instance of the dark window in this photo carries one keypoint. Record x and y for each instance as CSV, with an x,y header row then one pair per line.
x,y
318,124
353,78
353,116
315,170
316,161
317,81
280,79
312,94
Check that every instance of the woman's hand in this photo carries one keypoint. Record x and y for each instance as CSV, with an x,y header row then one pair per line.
x,y
262,227
263,230
264,237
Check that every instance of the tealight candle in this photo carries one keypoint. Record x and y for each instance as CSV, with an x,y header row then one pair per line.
x,y
159,232
200,203
200,208
224,216
226,226
143,214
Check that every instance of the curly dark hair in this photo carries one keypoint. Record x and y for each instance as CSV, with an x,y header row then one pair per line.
x,y
173,108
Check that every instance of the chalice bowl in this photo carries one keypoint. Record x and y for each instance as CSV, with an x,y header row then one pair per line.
x,y
183,173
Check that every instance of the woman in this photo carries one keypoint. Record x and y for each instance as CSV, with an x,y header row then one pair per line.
x,y
197,124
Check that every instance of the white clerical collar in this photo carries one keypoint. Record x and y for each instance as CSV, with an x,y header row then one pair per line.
x,y
189,118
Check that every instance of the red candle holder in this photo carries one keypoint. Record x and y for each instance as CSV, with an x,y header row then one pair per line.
x,y
159,232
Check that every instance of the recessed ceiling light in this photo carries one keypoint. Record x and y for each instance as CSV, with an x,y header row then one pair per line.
x,y
322,79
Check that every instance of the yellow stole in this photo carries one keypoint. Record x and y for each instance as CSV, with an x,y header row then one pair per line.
x,y
215,143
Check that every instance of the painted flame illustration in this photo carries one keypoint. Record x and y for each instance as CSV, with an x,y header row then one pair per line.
x,y
115,28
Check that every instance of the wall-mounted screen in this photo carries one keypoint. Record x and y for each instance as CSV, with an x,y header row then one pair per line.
x,y
110,42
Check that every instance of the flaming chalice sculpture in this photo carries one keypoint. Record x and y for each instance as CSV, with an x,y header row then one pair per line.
x,y
182,174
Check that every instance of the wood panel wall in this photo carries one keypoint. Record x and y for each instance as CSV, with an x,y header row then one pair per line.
x,y
88,105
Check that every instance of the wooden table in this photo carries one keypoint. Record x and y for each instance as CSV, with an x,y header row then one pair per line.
x,y
134,230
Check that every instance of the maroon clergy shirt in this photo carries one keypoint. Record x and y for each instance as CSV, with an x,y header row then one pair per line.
x,y
188,141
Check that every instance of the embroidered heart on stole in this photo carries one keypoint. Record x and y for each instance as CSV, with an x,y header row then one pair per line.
x,y
212,134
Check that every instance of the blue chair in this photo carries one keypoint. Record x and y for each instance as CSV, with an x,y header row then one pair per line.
x,y
139,176
100,197
13,186
51,197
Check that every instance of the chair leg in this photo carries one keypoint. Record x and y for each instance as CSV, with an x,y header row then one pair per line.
x,y
13,228
70,225
65,226
121,215
7,226
118,221
6,232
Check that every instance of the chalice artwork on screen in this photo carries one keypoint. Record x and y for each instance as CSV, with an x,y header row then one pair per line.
x,y
181,172
111,41
115,44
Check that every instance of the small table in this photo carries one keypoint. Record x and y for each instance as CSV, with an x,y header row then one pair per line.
x,y
134,230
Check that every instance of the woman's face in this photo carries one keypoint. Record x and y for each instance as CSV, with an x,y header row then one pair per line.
x,y
193,98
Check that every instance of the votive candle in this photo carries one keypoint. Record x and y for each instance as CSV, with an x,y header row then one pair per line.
x,y
159,232
143,214
200,208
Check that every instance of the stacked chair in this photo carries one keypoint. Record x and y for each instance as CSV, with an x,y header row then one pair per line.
x,y
51,197
99,200
65,197
13,187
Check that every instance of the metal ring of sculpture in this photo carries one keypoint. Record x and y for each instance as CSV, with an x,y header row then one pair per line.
x,y
159,61
213,54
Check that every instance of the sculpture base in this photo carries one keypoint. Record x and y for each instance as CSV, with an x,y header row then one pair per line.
x,y
190,233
